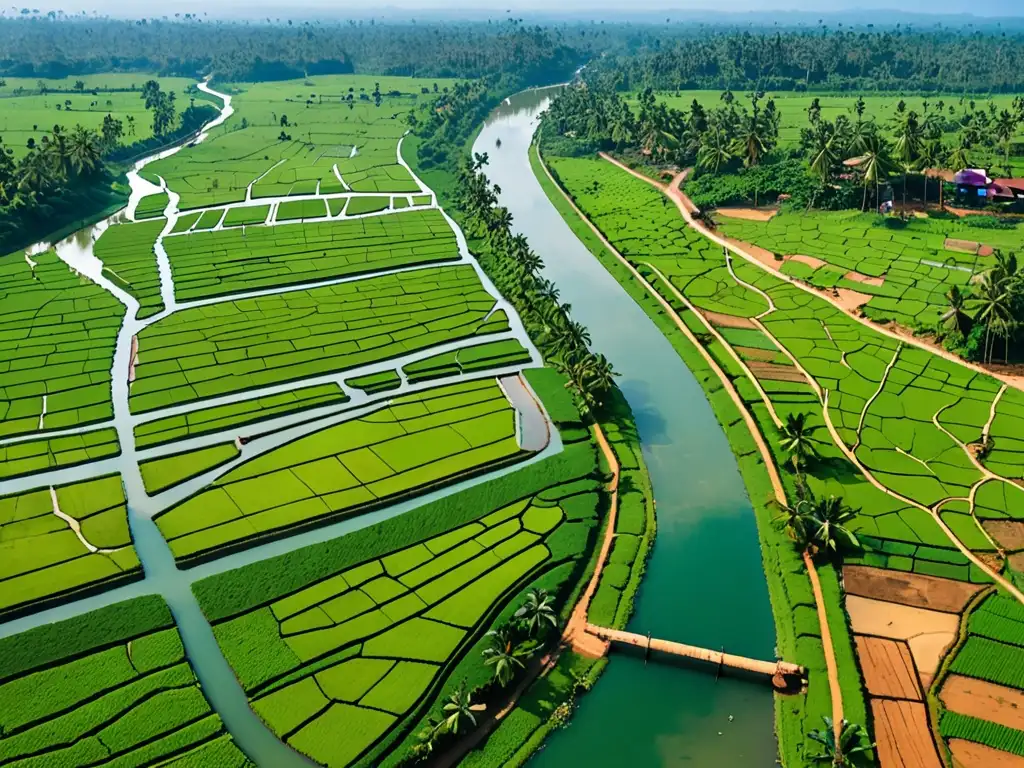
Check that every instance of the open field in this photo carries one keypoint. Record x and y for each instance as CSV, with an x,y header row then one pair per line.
x,y
233,260
299,137
30,456
341,655
126,251
914,266
26,114
57,346
112,687
44,555
239,345
417,442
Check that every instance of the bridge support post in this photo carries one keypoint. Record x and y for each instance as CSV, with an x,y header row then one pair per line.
x,y
647,651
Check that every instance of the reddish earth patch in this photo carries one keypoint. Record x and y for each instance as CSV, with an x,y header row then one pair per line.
x,y
753,353
986,250
811,261
775,372
902,735
728,321
962,246
967,754
984,700
911,589
849,300
928,633
888,668
750,214
763,255
857,277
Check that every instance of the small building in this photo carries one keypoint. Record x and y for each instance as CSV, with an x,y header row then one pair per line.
x,y
974,187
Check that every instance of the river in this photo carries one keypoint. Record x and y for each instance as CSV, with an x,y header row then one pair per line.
x,y
705,583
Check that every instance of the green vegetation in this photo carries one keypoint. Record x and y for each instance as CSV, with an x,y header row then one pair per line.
x,y
126,251
159,431
301,209
358,205
58,344
296,335
253,214
30,456
44,557
374,383
380,617
418,442
111,684
230,261
494,354
173,469
152,206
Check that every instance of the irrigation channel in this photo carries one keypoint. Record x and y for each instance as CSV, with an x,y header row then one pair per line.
x,y
162,575
704,583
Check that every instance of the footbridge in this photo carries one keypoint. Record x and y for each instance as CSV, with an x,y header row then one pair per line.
x,y
783,674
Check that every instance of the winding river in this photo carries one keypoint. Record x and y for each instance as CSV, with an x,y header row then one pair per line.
x,y
705,583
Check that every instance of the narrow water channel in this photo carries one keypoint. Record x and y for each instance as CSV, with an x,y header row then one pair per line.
x,y
704,583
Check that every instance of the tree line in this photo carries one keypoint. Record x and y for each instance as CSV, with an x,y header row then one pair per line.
x,y
823,59
281,51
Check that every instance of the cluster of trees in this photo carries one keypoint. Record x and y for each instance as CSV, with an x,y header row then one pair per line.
x,y
823,59
515,269
161,103
596,117
283,50
510,648
982,314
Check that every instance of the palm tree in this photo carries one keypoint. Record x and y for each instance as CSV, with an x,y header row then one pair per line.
x,y
793,518
1006,127
827,518
823,156
933,153
750,143
502,655
459,709
844,746
960,157
955,321
994,308
537,612
85,153
907,147
426,739
714,150
875,165
797,440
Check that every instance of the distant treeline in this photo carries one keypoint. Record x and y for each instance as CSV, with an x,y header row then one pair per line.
x,y
825,60
44,48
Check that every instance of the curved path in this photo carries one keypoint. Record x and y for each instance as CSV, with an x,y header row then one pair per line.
x,y
755,432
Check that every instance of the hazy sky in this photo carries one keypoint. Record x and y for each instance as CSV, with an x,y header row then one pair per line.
x,y
588,8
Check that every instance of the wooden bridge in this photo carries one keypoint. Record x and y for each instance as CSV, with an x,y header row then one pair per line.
x,y
783,674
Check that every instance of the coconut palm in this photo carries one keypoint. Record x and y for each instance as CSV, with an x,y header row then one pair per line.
x,y
459,709
797,440
1005,128
426,739
751,143
842,747
960,156
933,154
827,518
502,655
994,308
84,151
955,321
907,149
715,150
536,613
794,520
875,165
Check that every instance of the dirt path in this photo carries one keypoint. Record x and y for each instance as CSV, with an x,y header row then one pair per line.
x,y
747,252
762,446
576,635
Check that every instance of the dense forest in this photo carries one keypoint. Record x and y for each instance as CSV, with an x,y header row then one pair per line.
x,y
667,56
843,60
251,52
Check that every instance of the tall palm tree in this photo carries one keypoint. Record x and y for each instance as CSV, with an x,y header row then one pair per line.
x,y
537,612
994,308
715,150
1006,127
960,156
797,440
933,154
750,144
502,655
907,149
84,151
794,519
842,747
875,165
955,321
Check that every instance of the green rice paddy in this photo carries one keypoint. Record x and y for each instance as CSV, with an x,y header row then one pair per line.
x,y
30,456
112,687
41,555
358,205
416,442
341,660
245,412
254,214
126,251
152,206
229,261
291,210
240,345
57,346
168,471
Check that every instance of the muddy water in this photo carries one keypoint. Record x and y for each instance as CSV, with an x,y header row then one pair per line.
x,y
704,583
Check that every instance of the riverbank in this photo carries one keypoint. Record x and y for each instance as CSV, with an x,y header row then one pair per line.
x,y
787,579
